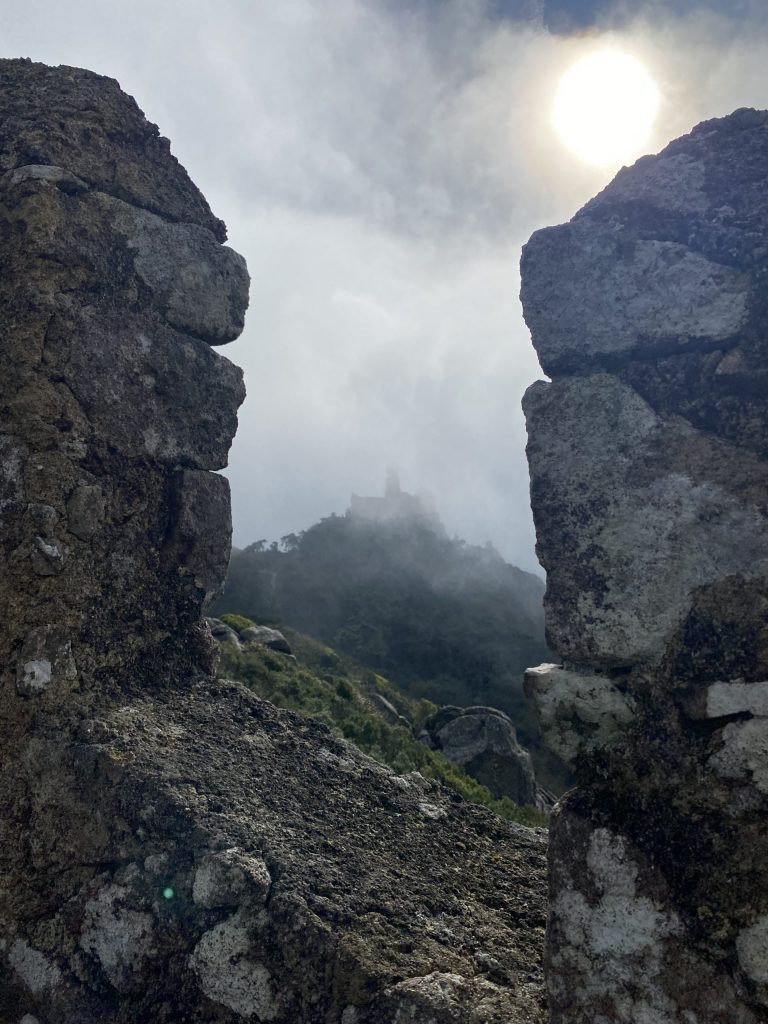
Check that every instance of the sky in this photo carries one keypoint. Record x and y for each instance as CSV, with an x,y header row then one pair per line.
x,y
380,163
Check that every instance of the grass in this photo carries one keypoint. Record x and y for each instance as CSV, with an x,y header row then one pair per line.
x,y
327,686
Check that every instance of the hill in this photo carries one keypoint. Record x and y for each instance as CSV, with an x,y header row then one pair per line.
x,y
357,705
446,621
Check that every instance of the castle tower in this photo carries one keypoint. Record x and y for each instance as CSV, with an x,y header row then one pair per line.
x,y
392,483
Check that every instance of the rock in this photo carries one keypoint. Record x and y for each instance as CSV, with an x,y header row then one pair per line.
x,y
118,152
686,295
227,878
649,486
120,938
194,280
451,999
222,632
484,743
171,847
266,637
85,510
229,977
686,352
229,869
202,507
36,971
735,697
743,754
578,712
103,398
387,709
634,515
615,939
45,660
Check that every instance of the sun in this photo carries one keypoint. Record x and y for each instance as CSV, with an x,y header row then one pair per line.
x,y
604,108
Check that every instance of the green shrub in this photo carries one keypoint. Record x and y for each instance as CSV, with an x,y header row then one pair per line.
x,y
236,622
345,689
424,708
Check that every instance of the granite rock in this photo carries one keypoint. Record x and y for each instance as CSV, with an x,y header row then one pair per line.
x,y
636,513
649,486
266,637
484,743
198,851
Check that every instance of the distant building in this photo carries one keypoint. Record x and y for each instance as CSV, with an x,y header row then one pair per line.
x,y
396,505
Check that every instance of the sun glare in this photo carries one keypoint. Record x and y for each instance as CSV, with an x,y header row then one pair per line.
x,y
605,107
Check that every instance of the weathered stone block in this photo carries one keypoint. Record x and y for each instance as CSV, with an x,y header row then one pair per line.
x,y
634,513
85,123
230,877
484,743
720,700
200,286
578,711
648,454
584,308
203,531
45,660
617,950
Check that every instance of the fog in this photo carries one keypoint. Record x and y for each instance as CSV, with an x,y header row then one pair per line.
x,y
380,164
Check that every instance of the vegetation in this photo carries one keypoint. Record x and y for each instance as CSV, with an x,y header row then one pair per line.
x,y
330,687
444,620
236,622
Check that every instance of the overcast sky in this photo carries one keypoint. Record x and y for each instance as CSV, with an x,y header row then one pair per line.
x,y
380,163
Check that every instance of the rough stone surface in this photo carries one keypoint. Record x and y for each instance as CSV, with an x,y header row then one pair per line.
x,y
578,711
84,127
173,849
267,637
618,949
641,512
222,632
224,879
649,486
484,743
719,700
196,849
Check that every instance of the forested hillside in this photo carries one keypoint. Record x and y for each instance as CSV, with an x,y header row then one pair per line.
x,y
444,620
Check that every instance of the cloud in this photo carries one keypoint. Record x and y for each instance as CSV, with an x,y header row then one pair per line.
x,y
380,164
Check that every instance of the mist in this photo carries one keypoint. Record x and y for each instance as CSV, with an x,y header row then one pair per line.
x,y
380,165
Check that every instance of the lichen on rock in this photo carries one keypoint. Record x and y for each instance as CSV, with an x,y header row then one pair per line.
x,y
649,486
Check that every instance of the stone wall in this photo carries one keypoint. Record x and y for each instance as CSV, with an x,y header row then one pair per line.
x,y
113,406
649,485
173,849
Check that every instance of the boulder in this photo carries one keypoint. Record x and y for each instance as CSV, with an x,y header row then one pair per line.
x,y
266,637
649,486
484,743
222,632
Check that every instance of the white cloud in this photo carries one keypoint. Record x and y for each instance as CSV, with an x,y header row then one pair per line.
x,y
379,165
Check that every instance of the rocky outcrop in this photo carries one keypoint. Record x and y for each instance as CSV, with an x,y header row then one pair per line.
x,y
261,636
649,485
223,633
264,636
484,743
171,847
